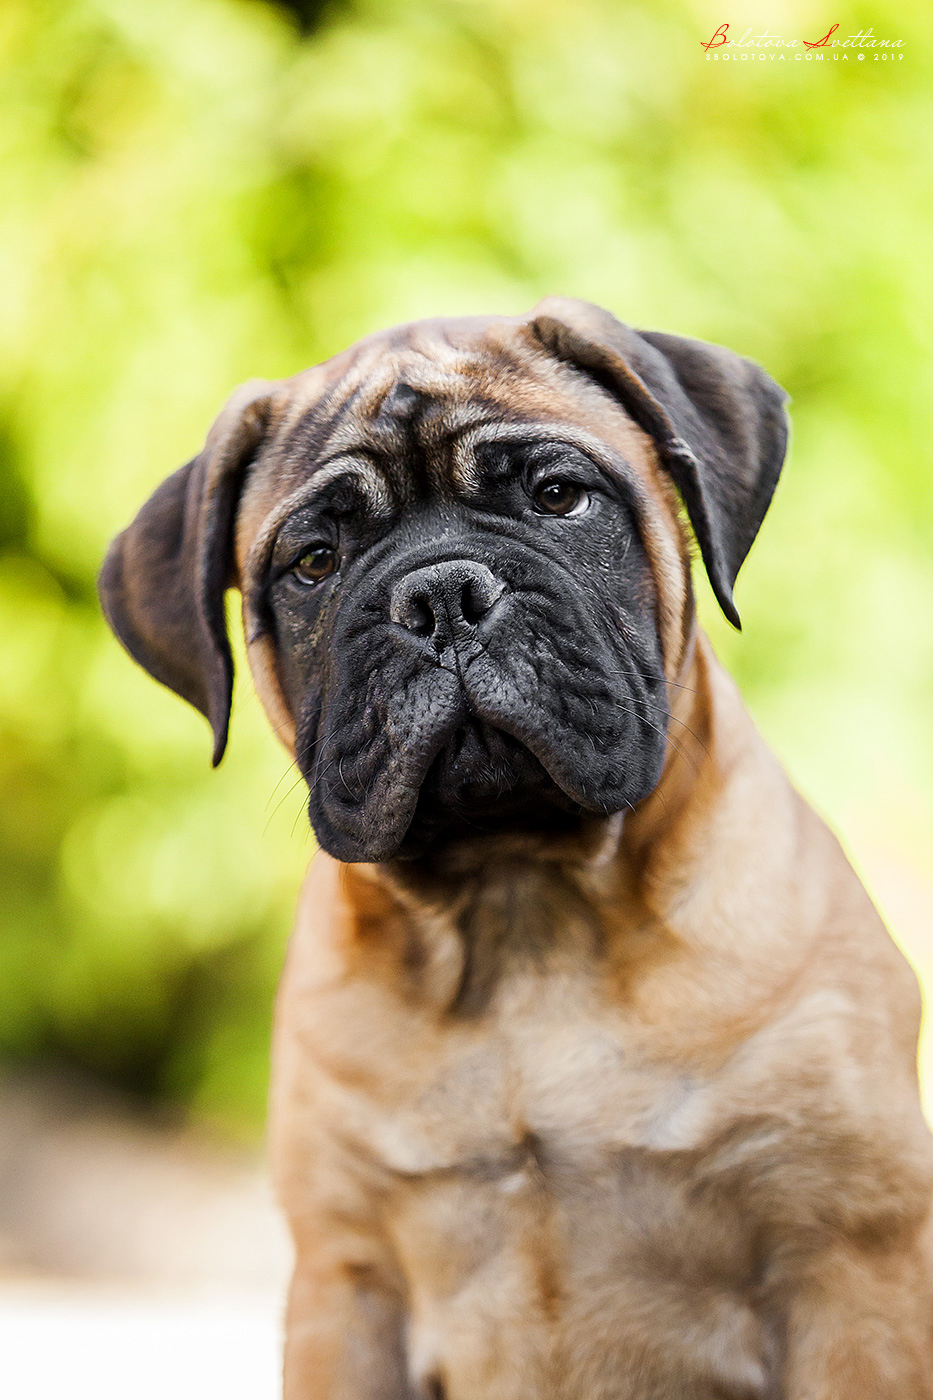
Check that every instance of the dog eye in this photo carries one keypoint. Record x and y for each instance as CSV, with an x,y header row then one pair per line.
x,y
558,497
315,564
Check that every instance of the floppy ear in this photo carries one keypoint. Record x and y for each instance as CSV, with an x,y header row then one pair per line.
x,y
163,581
718,421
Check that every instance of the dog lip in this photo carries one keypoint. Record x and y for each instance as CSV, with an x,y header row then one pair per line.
x,y
474,695
393,797
480,783
481,693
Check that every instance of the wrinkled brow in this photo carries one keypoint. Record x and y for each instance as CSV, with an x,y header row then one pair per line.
x,y
430,423
364,476
467,471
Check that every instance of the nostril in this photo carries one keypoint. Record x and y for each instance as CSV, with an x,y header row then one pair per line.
x,y
421,619
472,605
478,595
417,616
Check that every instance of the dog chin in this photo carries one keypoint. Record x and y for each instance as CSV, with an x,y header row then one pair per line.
x,y
468,778
484,782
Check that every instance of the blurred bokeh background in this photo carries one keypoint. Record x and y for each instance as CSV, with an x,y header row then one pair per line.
x,y
199,191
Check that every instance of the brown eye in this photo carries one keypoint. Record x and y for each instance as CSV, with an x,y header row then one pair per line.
x,y
316,564
560,497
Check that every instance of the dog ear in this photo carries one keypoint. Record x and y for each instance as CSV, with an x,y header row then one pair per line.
x,y
718,421
163,580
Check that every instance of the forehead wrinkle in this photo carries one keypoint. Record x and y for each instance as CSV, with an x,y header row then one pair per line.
x,y
560,432
307,436
440,432
430,354
365,475
464,466
356,437
328,417
369,431
445,419
444,377
432,368
449,407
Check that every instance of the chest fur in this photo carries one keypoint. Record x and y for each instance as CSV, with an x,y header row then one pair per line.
x,y
538,1177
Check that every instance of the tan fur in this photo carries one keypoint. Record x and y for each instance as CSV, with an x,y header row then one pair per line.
x,y
633,1115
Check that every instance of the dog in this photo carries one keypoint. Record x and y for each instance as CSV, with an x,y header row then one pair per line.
x,y
594,1069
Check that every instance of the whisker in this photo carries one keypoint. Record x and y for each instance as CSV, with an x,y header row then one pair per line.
x,y
283,799
278,785
298,815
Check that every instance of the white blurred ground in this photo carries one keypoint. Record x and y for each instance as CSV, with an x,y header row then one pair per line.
x,y
136,1261
89,1347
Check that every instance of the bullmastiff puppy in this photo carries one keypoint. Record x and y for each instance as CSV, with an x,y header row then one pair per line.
x,y
594,1068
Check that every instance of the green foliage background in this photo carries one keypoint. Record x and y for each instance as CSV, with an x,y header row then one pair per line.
x,y
199,191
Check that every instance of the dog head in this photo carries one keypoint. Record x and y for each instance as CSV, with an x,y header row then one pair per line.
x,y
465,582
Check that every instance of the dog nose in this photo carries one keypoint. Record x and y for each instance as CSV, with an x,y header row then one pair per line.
x,y
444,597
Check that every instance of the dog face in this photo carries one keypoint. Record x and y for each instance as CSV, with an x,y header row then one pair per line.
x,y
465,585
465,644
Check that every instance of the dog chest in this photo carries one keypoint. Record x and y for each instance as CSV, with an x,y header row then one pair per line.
x,y
566,1085
536,1181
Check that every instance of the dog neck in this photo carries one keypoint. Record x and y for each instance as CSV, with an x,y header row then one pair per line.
x,y
615,883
